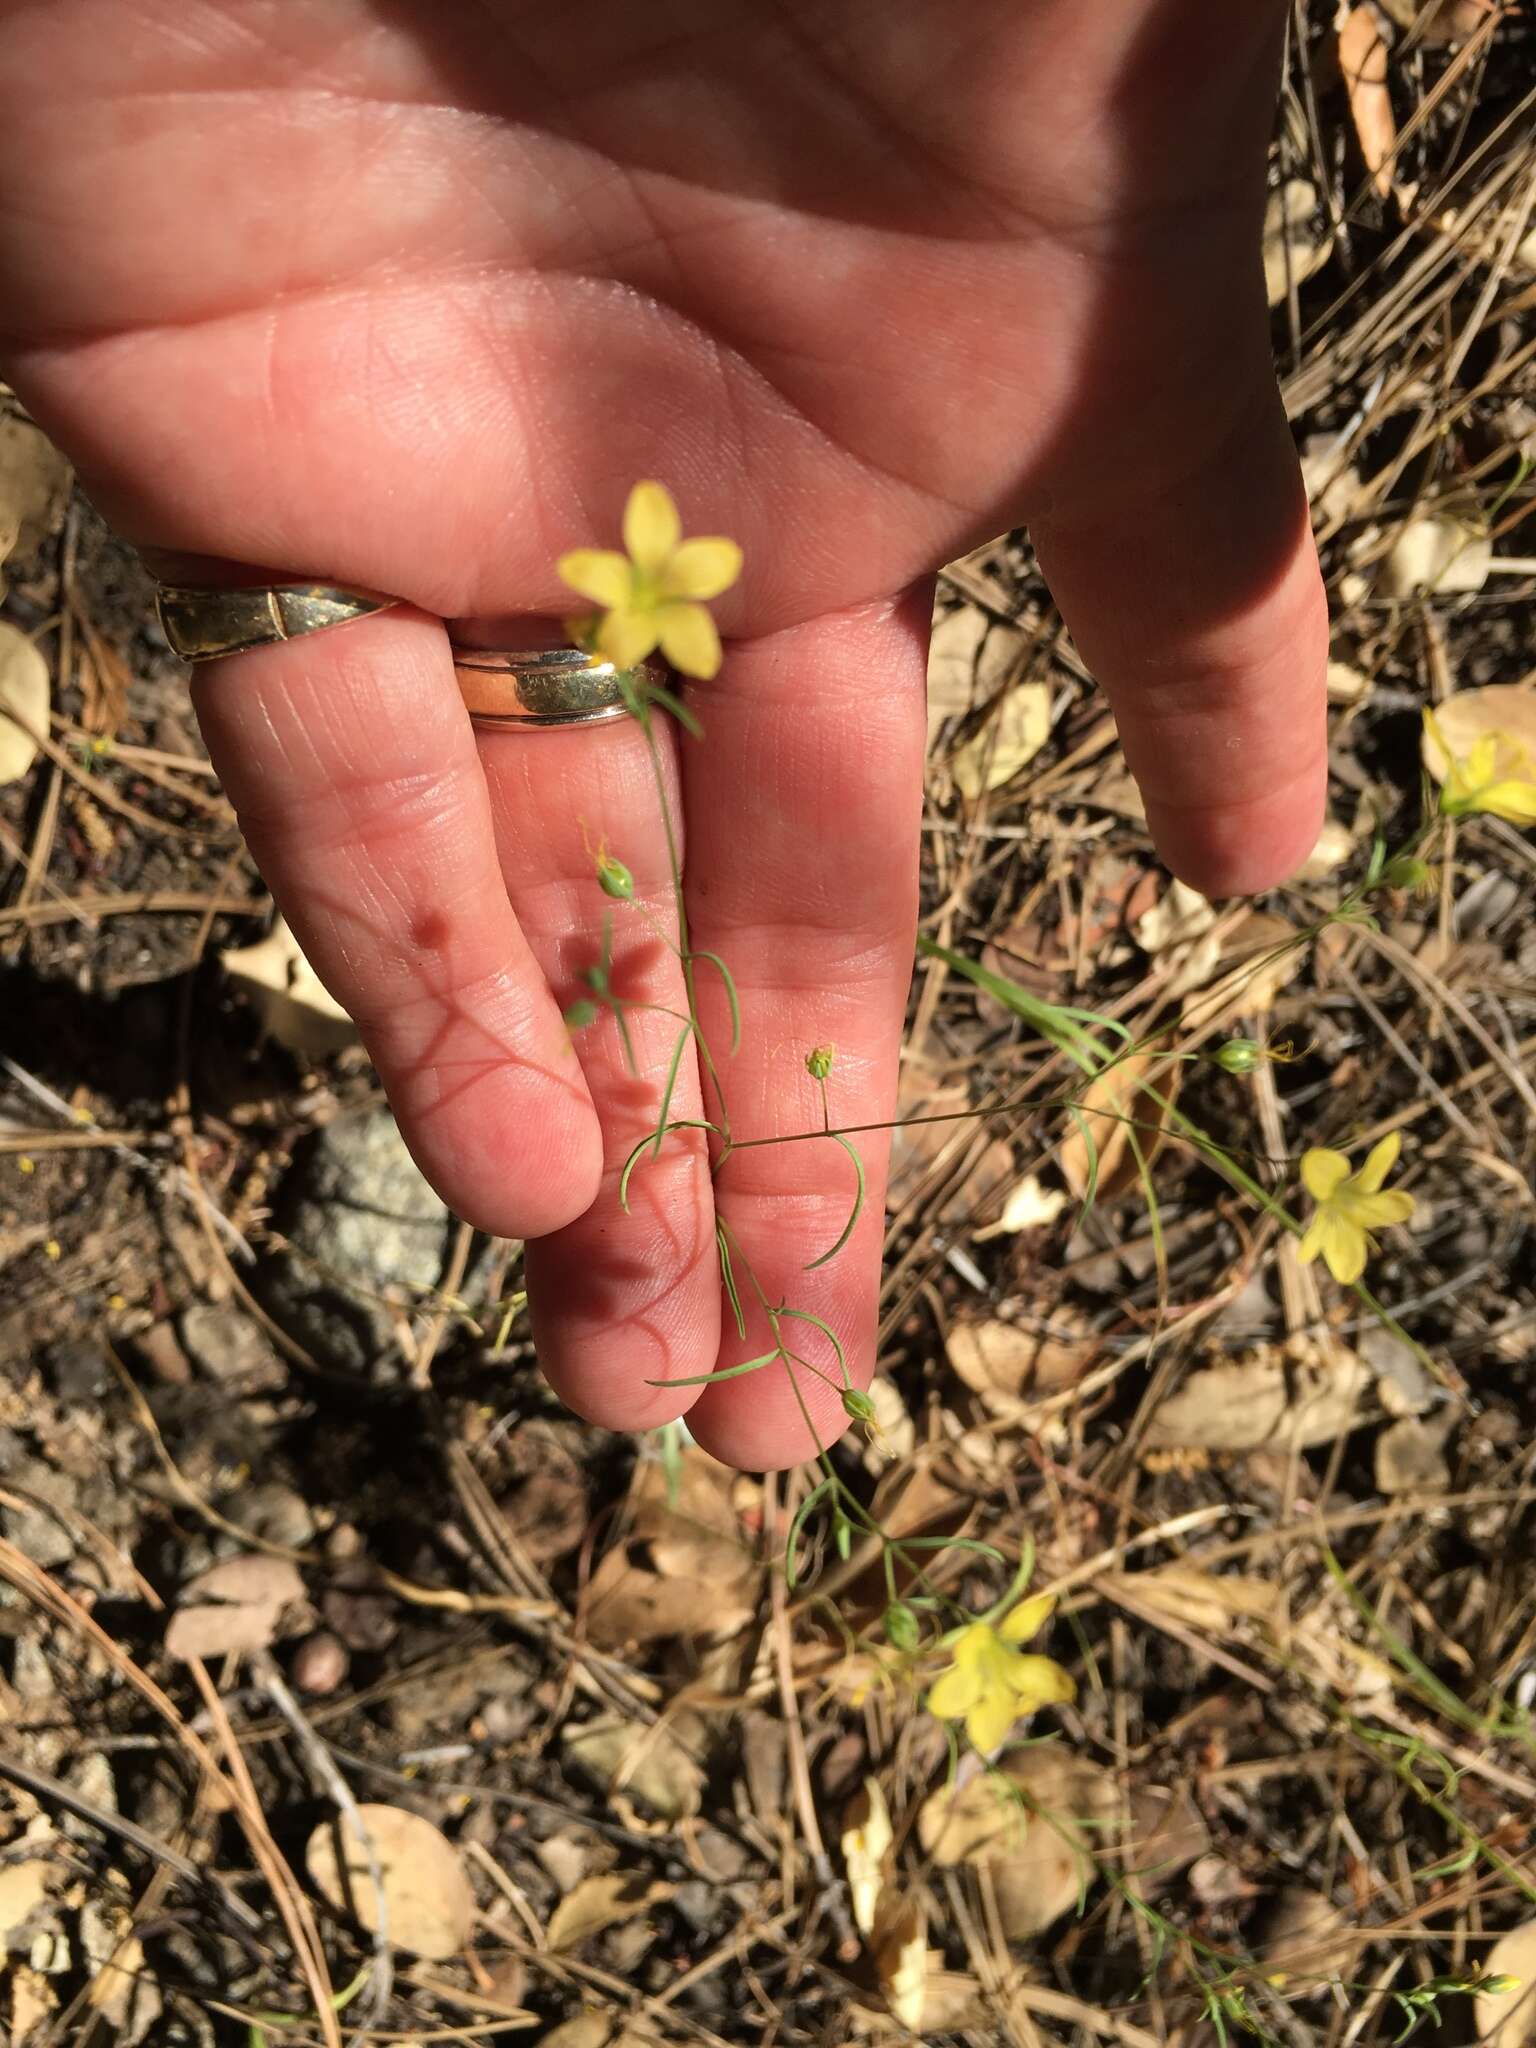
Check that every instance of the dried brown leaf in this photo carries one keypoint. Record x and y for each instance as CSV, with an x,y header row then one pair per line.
x,y
1112,1105
1306,1938
1034,1834
1437,554
683,1569
232,1606
24,693
601,1902
1363,62
34,486
1004,1363
1507,2019
1259,1400
1472,715
429,1906
294,1005
1008,741
1295,245
636,1764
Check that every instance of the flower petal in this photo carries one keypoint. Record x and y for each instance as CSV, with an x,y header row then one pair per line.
x,y
625,637
1323,1172
1040,1682
1027,1619
1312,1238
688,639
1344,1246
1515,801
598,573
652,528
988,1722
954,1692
701,568
1379,1162
1391,1206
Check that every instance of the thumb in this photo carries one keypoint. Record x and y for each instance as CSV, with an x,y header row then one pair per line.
x,y
1198,604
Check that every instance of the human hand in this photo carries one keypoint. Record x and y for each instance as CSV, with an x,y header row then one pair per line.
x,y
387,293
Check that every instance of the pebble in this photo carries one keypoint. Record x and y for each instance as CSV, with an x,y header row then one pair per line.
x,y
320,1663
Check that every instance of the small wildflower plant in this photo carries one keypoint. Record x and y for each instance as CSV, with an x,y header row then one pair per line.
x,y
965,1663
969,1668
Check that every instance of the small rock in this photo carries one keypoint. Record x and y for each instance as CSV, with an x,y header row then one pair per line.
x,y
231,1349
78,1371
37,1533
273,1512
362,1614
366,1230
160,1348
1410,1456
320,1663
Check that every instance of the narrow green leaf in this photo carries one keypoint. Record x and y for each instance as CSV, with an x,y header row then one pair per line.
x,y
728,1279
858,1203
730,993
671,1083
728,1372
681,1123
670,701
792,1544
1053,1023
803,1315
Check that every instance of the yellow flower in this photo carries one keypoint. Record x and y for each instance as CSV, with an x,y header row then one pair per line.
x,y
650,594
992,1684
1499,775
1350,1206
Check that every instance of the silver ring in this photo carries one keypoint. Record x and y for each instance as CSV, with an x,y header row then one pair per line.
x,y
550,686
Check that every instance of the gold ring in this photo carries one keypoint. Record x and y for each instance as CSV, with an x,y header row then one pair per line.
x,y
546,686
206,622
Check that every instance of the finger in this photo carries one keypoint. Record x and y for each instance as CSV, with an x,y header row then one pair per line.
x,y
349,757
619,1299
804,802
1200,608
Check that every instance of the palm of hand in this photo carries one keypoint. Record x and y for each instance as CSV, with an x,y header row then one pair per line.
x,y
863,284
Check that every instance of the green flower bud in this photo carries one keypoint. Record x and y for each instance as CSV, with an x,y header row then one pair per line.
x,y
614,879
858,1407
581,1014
1239,1055
1500,1985
596,978
1406,872
901,1626
818,1061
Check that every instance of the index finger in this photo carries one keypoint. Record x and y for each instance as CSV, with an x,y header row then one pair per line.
x,y
350,760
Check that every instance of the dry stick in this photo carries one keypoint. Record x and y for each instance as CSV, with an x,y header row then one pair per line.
x,y
53,1791
291,1903
381,1977
179,902
830,1890
236,1790
42,1093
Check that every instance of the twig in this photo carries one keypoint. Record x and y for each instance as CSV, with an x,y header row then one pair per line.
x,y
382,1973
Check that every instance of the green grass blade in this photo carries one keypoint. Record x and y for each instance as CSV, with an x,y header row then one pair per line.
x,y
669,701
